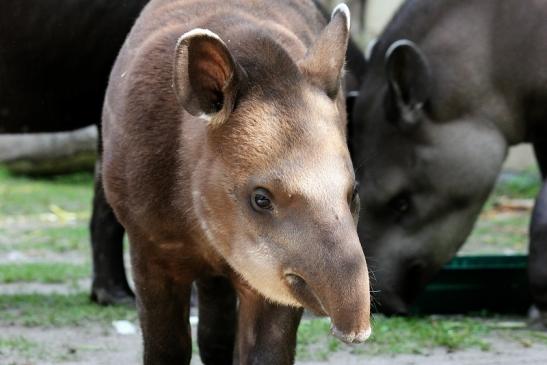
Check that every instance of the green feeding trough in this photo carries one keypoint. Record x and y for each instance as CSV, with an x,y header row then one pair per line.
x,y
495,284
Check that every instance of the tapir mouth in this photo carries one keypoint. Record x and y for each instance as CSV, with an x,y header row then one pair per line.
x,y
304,294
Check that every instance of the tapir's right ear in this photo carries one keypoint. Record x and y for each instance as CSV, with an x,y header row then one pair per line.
x,y
324,62
206,76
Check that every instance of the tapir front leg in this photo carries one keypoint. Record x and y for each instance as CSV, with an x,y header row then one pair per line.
x,y
537,255
266,331
217,320
163,303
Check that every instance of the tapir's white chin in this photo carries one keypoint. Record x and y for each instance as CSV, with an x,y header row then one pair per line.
x,y
274,293
265,281
258,268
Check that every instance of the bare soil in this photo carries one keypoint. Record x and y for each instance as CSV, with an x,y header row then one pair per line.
x,y
92,345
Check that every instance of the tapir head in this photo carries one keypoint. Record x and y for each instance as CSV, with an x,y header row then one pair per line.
x,y
275,190
425,164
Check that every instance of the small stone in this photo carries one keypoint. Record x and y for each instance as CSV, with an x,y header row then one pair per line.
x,y
124,327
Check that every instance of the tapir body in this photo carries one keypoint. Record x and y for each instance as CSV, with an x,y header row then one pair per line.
x,y
225,158
450,86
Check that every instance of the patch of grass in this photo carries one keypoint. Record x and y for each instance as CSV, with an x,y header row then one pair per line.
x,y
539,336
507,231
395,335
43,272
314,341
74,237
56,310
20,346
524,336
25,196
504,232
524,185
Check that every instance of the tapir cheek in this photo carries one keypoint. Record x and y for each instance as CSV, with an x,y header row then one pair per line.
x,y
261,268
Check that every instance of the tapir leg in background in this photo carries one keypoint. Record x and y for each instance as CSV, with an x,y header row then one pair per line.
x,y
109,284
537,257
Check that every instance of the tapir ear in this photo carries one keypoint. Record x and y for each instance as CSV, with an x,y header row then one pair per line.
x,y
206,76
324,62
408,76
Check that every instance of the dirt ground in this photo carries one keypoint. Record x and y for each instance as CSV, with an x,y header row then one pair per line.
x,y
92,345
95,343
60,236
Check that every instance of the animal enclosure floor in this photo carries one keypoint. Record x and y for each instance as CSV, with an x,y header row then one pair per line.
x,y
46,317
92,344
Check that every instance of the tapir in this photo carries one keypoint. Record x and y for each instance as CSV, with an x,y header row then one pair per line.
x,y
450,85
43,89
55,58
225,159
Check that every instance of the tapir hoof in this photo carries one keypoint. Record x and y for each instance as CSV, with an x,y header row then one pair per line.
x,y
537,319
112,296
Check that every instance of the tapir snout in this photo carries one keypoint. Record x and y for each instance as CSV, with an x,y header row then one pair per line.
x,y
344,297
333,281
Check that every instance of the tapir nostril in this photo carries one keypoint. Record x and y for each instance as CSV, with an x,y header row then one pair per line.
x,y
294,279
304,293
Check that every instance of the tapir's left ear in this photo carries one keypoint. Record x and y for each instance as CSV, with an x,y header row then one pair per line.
x,y
409,80
324,62
206,76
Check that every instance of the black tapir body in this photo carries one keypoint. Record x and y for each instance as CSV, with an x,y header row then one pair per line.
x,y
449,87
55,58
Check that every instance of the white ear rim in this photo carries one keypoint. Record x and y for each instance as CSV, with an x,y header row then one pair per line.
x,y
397,44
199,32
343,8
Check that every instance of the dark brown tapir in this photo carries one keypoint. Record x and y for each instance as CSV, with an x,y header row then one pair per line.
x,y
450,86
225,159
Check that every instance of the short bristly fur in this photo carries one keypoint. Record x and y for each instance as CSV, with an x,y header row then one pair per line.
x,y
449,87
212,110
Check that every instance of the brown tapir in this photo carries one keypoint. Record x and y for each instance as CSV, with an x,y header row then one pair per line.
x,y
225,159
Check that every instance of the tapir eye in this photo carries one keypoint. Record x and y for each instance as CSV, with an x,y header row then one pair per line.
x,y
260,200
400,204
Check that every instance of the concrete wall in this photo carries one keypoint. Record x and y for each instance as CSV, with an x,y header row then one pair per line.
x,y
378,14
